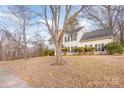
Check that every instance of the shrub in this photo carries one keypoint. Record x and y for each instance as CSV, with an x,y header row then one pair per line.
x,y
65,50
80,50
89,49
75,49
48,52
114,48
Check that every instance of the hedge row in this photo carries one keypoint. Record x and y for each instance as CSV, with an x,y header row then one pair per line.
x,y
79,50
111,48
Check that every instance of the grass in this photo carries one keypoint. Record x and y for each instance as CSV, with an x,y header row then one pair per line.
x,y
79,71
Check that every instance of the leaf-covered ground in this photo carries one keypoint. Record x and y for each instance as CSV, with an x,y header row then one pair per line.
x,y
78,71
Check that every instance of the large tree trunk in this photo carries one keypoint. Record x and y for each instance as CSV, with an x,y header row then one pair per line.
x,y
59,58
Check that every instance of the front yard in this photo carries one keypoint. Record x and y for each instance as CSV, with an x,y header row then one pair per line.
x,y
78,71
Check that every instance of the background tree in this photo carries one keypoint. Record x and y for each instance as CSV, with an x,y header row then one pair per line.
x,y
120,24
23,19
101,16
9,43
13,31
106,16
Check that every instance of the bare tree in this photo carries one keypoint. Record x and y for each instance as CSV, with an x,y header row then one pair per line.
x,y
23,17
2,37
103,16
106,16
51,16
9,43
13,41
120,24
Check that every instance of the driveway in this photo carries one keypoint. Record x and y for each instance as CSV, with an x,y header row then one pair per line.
x,y
9,80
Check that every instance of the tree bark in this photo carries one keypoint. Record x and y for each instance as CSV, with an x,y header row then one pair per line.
x,y
59,58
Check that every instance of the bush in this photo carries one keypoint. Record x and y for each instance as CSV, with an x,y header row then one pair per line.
x,y
48,52
83,50
65,50
114,48
75,49
80,50
89,49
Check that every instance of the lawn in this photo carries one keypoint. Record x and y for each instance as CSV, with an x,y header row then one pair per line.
x,y
78,71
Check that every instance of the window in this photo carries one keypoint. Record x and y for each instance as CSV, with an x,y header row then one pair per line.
x,y
68,38
65,39
71,37
99,47
96,47
102,47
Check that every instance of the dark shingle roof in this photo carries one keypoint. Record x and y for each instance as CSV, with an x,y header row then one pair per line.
x,y
75,30
96,34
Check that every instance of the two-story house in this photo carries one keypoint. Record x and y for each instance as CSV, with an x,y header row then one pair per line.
x,y
78,37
